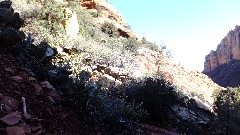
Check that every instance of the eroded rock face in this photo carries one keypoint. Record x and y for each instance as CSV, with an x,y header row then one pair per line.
x,y
227,50
89,4
70,23
107,13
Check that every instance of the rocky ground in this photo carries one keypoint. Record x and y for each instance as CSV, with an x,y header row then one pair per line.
x,y
41,112
27,106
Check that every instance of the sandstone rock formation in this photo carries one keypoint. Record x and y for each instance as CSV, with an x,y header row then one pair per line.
x,y
227,50
107,13
89,4
70,23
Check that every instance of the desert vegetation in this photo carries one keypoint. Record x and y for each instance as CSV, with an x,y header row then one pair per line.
x,y
227,107
116,108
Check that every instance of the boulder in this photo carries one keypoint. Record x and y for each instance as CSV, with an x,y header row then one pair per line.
x,y
12,118
70,23
16,78
15,130
10,23
10,102
88,4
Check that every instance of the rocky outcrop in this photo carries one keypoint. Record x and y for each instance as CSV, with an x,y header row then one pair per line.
x,y
89,4
107,13
70,23
227,50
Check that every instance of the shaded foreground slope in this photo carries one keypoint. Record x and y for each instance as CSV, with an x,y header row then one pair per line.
x,y
49,114
46,114
226,75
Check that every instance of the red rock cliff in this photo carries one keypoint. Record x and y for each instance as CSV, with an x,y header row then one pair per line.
x,y
227,50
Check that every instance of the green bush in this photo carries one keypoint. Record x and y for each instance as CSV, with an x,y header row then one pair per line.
x,y
132,45
51,15
110,29
153,46
144,40
94,14
115,113
107,109
88,29
227,107
157,98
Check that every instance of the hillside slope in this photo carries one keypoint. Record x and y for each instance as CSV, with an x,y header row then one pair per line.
x,y
97,75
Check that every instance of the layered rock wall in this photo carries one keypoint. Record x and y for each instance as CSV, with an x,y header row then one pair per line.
x,y
227,50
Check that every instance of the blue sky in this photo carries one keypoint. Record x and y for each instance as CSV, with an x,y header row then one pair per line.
x,y
189,28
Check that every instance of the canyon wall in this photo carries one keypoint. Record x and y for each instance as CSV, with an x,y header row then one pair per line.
x,y
227,50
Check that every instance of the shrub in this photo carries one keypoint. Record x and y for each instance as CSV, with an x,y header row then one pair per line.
x,y
116,114
51,16
153,46
227,107
94,14
108,109
132,45
156,97
87,28
112,17
144,40
110,29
